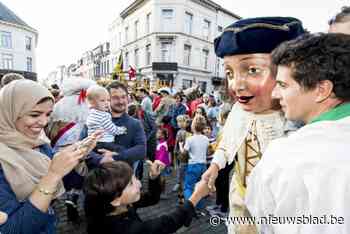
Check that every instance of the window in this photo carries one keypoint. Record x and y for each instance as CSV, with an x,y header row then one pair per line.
x,y
7,61
167,13
136,29
167,19
28,43
202,86
206,29
29,64
188,23
126,34
148,23
136,58
166,51
148,54
97,68
107,66
217,67
187,55
120,39
205,58
186,84
6,40
126,60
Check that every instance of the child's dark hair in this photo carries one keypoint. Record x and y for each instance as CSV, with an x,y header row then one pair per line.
x,y
166,119
102,185
164,132
132,109
208,126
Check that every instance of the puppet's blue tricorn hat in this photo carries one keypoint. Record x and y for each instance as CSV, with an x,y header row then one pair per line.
x,y
257,35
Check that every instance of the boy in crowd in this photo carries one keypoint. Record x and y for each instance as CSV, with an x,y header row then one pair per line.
x,y
183,121
197,147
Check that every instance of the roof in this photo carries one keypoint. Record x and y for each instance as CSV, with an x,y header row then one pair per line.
x,y
9,16
138,3
220,8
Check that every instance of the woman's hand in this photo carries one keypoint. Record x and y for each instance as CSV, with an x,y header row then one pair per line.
x,y
89,143
64,161
3,218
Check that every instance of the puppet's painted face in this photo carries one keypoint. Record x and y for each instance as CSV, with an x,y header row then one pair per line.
x,y
251,79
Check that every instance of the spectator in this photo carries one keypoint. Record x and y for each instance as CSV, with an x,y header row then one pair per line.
x,y
181,159
156,99
222,183
162,155
133,99
164,105
56,94
175,110
171,135
197,147
213,113
149,125
201,111
340,23
30,176
9,77
146,101
113,197
313,80
99,118
132,145
205,102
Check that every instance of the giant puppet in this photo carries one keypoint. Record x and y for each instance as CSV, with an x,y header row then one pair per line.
x,y
256,118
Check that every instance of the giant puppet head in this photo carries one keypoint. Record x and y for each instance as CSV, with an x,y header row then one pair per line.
x,y
245,47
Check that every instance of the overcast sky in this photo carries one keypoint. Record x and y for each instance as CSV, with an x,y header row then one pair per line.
x,y
68,28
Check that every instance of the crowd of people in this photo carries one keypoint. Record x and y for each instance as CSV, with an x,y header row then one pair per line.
x,y
284,135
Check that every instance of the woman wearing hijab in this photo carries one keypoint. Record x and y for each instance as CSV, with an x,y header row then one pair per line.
x,y
30,176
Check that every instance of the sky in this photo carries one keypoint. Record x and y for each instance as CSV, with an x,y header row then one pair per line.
x,y
68,28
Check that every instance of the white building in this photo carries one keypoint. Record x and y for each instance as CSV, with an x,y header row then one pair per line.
x,y
18,42
171,41
85,65
94,64
57,76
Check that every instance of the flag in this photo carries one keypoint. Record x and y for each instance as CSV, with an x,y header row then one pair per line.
x,y
132,73
118,69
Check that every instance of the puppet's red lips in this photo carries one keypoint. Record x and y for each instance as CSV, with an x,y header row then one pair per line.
x,y
244,99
